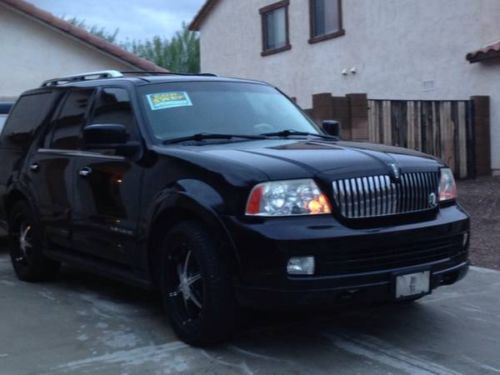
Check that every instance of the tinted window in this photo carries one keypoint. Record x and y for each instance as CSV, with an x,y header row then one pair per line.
x,y
69,123
113,107
28,115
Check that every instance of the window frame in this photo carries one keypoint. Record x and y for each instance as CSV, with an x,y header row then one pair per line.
x,y
263,13
312,25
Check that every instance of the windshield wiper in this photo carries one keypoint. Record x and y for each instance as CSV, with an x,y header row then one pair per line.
x,y
288,133
203,136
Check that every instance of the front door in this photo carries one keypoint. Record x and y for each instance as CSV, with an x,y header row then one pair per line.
x,y
108,188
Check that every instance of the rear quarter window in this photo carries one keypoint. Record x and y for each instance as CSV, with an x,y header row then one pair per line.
x,y
29,113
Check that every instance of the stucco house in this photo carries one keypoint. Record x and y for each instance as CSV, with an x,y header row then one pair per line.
x,y
36,46
389,49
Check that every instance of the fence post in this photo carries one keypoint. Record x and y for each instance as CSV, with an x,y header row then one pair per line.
x,y
482,139
359,117
341,107
322,107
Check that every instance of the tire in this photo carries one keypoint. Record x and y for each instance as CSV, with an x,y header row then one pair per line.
x,y
202,308
25,246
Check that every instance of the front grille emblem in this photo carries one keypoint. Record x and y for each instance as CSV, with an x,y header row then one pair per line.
x,y
395,172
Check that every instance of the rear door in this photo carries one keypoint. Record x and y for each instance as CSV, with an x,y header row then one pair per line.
x,y
31,112
108,187
51,168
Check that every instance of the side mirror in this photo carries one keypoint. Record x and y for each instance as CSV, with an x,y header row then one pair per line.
x,y
110,136
331,127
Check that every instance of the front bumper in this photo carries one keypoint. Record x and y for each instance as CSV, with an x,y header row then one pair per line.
x,y
356,289
351,264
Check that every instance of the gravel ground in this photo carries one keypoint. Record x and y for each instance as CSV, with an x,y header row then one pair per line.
x,y
481,199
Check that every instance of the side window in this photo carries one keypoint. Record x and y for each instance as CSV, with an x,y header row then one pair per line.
x,y
70,121
28,115
113,107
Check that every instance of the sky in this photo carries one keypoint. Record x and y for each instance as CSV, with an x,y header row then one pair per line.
x,y
135,19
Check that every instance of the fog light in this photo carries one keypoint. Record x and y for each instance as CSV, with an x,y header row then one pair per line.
x,y
300,266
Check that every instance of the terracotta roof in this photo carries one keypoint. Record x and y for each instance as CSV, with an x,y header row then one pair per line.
x,y
485,53
202,15
81,34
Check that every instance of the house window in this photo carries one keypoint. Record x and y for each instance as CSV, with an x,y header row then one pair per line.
x,y
326,19
275,28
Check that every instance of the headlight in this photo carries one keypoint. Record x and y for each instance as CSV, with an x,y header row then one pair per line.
x,y
287,198
447,186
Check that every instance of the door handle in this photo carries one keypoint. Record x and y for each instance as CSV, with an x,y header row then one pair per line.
x,y
85,172
34,167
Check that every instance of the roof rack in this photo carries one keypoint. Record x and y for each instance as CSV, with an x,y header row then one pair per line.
x,y
170,73
112,74
83,77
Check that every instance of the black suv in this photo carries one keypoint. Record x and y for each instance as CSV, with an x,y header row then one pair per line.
x,y
222,194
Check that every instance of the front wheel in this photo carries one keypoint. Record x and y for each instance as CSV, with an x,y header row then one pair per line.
x,y
197,287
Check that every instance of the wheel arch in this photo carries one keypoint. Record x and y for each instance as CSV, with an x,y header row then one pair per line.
x,y
178,207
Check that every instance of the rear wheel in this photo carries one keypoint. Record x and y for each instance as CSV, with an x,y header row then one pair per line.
x,y
25,246
196,285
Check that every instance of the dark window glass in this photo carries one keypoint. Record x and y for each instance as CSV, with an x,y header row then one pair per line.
x,y
70,121
326,17
27,116
113,107
275,26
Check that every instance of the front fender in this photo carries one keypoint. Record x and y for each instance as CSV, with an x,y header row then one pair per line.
x,y
194,199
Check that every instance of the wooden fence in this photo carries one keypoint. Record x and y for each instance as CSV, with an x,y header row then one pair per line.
x,y
440,128
458,132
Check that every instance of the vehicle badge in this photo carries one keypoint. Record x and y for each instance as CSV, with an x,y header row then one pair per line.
x,y
395,172
432,200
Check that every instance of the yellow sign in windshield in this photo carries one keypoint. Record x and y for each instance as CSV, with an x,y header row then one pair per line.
x,y
171,99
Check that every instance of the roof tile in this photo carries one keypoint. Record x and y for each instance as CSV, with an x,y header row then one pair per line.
x,y
486,53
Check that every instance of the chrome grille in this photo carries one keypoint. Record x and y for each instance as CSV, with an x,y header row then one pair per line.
x,y
374,196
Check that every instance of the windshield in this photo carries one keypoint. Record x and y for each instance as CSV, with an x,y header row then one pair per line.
x,y
182,109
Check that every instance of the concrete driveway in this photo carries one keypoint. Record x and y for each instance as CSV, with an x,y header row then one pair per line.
x,y
88,325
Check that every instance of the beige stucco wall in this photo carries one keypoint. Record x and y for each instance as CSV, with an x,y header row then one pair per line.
x,y
401,49
31,52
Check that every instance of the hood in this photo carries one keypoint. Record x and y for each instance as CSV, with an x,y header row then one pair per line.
x,y
290,159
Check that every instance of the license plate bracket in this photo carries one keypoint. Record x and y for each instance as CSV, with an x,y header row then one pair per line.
x,y
410,285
